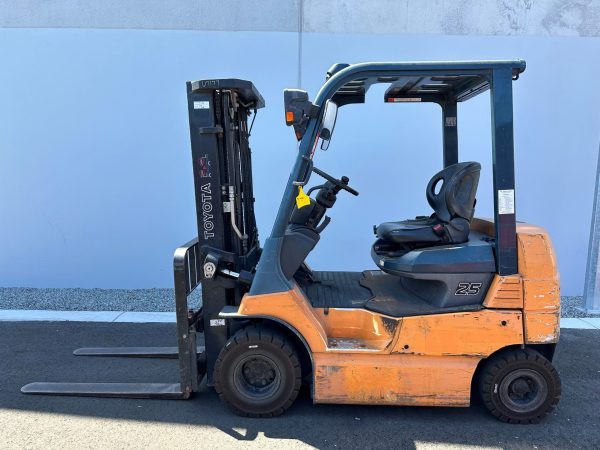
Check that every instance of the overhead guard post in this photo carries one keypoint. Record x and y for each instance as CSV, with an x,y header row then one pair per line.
x,y
450,132
504,170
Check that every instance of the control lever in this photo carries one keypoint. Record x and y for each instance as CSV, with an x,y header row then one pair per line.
x,y
243,277
323,224
342,184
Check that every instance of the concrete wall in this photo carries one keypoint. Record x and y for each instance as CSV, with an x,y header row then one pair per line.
x,y
95,174
451,17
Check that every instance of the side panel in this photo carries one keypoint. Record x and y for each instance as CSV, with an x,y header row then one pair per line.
x,y
541,305
290,307
460,334
542,311
539,279
536,255
393,379
432,362
370,330
505,293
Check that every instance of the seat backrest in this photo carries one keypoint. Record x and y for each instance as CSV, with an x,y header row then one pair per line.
x,y
455,196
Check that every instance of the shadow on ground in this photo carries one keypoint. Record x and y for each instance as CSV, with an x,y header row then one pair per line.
x,y
42,352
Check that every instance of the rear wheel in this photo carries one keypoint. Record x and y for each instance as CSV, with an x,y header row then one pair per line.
x,y
258,372
519,386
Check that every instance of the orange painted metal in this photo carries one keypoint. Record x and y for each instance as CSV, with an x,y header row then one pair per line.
x,y
536,256
477,333
368,330
540,280
291,307
541,290
505,293
393,379
360,356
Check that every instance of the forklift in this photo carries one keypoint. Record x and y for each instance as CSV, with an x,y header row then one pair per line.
x,y
452,305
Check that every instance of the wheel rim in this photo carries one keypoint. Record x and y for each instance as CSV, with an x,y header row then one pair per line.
x,y
257,377
523,390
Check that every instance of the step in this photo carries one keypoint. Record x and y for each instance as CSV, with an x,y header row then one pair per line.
x,y
355,345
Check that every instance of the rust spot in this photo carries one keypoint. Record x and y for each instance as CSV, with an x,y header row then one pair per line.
x,y
389,324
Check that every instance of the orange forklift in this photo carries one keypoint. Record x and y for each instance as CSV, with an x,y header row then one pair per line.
x,y
452,303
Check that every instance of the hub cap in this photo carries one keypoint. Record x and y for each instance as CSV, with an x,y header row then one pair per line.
x,y
257,377
523,390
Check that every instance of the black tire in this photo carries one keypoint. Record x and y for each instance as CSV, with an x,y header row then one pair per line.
x,y
258,372
519,386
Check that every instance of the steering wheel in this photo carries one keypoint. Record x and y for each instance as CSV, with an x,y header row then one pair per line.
x,y
342,184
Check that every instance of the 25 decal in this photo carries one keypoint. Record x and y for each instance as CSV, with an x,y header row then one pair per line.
x,y
468,288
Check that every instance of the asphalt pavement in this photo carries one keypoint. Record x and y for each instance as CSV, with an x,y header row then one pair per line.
x,y
42,351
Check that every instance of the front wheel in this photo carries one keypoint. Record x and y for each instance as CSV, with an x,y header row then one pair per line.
x,y
519,386
258,372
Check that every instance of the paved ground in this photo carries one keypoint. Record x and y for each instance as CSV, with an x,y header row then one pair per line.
x,y
42,352
75,299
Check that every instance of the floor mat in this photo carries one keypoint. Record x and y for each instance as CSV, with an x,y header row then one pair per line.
x,y
337,290
392,298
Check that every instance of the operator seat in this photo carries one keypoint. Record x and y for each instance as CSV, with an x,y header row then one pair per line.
x,y
451,194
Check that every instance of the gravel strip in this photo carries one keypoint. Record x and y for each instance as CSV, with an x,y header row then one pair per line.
x,y
73,299
570,307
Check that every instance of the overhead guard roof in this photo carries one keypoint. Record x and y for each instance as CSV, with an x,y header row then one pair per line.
x,y
421,81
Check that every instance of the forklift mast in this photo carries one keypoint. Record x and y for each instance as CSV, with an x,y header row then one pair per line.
x,y
228,247
221,259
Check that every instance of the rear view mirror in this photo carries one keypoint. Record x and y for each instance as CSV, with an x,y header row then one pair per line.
x,y
329,119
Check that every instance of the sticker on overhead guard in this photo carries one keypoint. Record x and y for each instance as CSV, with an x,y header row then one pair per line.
x,y
202,105
404,99
217,322
506,201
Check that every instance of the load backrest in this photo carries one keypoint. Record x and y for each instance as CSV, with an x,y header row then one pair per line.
x,y
451,192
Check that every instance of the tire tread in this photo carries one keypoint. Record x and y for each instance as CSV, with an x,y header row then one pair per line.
x,y
262,334
501,362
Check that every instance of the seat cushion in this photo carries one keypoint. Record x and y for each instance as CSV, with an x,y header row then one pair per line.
x,y
423,232
405,232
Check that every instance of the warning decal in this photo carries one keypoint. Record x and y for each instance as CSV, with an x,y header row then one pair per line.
x,y
202,105
506,201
